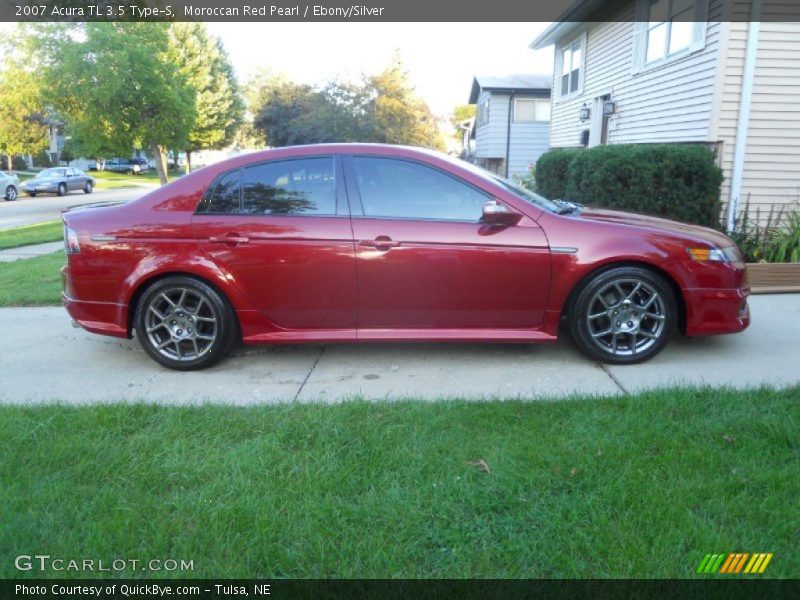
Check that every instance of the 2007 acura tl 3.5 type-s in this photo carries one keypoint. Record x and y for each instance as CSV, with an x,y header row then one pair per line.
x,y
336,243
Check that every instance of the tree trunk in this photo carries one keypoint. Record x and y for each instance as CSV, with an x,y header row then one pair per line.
x,y
175,159
161,163
10,163
188,167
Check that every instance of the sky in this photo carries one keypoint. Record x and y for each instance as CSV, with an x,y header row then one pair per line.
x,y
441,58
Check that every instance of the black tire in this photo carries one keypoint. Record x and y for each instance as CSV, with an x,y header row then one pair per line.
x,y
88,188
11,193
623,315
32,194
178,334
62,189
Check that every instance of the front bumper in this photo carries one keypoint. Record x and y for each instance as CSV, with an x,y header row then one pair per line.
x,y
714,311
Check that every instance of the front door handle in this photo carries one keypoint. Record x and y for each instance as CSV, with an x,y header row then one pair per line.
x,y
231,239
382,242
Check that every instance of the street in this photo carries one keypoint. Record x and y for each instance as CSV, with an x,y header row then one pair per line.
x,y
27,211
46,359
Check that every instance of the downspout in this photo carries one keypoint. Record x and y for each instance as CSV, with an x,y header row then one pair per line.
x,y
508,130
740,148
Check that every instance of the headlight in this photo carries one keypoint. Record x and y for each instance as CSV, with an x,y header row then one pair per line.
x,y
729,254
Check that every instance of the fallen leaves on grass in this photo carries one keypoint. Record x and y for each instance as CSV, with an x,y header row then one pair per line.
x,y
480,464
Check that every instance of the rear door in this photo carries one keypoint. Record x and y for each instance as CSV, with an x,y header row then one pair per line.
x,y
281,229
426,261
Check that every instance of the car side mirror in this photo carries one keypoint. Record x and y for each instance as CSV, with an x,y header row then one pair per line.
x,y
496,213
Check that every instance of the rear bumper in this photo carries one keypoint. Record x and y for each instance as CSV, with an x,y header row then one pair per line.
x,y
714,311
105,318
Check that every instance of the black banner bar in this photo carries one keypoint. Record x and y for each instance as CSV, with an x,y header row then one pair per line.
x,y
277,11
484,589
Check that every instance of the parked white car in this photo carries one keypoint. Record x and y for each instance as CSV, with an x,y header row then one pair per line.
x,y
9,186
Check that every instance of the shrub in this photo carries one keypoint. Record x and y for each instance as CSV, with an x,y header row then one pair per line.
x,y
669,180
551,171
777,241
528,180
18,163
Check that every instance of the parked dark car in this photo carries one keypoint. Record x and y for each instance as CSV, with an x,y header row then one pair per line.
x,y
58,180
131,166
358,242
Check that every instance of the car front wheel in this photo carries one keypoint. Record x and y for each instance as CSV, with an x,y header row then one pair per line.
x,y
11,193
185,324
87,189
62,189
624,315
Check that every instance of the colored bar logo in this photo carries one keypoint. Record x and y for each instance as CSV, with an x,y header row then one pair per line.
x,y
733,563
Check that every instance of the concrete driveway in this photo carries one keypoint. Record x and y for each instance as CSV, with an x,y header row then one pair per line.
x,y
26,211
46,359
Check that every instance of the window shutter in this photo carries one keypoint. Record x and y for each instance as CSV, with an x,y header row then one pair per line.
x,y
639,43
700,26
559,63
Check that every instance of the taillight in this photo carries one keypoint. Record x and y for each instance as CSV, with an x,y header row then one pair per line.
x,y
71,244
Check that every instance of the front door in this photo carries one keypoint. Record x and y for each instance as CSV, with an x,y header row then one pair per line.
x,y
281,230
425,261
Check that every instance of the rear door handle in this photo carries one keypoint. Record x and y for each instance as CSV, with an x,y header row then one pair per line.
x,y
382,242
231,239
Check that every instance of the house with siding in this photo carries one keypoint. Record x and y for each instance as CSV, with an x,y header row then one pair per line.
x,y
512,122
684,71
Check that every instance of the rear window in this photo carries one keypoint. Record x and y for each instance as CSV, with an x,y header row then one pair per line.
x,y
290,187
225,197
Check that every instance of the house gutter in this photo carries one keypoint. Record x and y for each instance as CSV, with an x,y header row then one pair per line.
x,y
508,131
743,123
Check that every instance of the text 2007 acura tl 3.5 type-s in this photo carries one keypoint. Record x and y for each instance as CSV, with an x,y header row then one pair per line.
x,y
342,243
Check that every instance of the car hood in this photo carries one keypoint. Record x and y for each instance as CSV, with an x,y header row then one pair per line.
x,y
705,234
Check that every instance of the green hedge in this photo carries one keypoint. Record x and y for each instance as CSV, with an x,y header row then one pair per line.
x,y
551,172
670,180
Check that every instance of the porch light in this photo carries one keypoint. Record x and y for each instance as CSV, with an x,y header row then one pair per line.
x,y
584,113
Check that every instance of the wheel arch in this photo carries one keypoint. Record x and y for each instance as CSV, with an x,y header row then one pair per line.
x,y
146,283
676,289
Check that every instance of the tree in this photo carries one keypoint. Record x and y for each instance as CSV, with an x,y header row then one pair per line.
x,y
118,89
461,112
218,104
399,116
382,108
22,130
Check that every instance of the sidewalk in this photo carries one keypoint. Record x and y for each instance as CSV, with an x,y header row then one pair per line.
x,y
47,360
12,254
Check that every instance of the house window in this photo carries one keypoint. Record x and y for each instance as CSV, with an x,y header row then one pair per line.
x,y
531,110
483,112
669,29
571,64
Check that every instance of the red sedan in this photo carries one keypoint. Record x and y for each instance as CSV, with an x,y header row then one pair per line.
x,y
343,243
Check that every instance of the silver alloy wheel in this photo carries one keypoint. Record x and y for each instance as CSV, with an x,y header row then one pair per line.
x,y
626,317
180,324
11,193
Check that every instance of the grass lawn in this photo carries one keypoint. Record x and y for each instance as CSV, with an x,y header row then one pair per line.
x,y
31,234
640,486
32,281
108,180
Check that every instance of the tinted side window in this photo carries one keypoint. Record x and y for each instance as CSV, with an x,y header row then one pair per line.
x,y
226,196
290,187
403,189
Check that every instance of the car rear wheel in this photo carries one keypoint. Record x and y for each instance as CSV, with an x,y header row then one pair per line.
x,y
11,193
624,315
62,189
185,324
87,189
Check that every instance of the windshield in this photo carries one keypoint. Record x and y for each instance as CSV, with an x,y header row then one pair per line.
x,y
508,185
53,173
